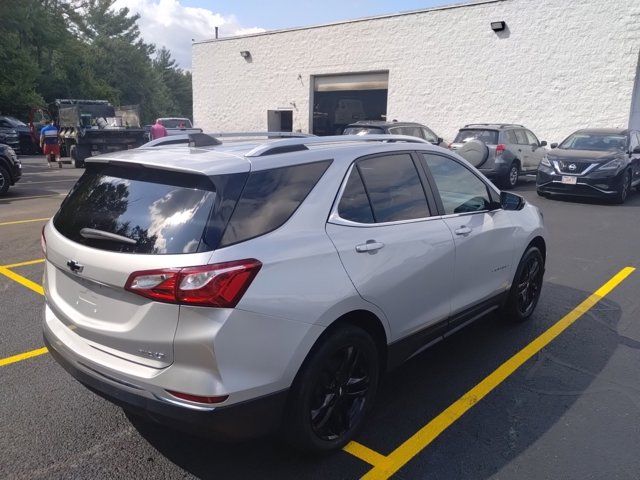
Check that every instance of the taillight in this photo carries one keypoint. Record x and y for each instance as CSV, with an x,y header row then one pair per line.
x,y
500,148
218,285
43,241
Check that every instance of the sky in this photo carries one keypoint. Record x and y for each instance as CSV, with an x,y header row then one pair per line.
x,y
174,23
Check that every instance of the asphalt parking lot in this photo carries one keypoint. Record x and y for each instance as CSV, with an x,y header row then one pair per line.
x,y
556,397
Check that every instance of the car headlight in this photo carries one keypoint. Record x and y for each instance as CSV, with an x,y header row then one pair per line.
x,y
612,165
545,161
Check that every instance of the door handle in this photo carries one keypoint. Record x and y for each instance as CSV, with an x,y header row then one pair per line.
x,y
463,230
370,246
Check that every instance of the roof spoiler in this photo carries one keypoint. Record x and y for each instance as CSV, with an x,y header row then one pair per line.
x,y
202,140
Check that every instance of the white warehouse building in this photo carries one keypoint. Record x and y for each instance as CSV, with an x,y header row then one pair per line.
x,y
552,65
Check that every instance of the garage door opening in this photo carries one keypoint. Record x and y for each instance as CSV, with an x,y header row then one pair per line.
x,y
339,100
279,120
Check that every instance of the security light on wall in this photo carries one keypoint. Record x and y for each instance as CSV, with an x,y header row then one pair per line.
x,y
245,54
498,26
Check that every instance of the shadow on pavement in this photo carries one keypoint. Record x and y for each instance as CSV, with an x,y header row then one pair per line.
x,y
493,433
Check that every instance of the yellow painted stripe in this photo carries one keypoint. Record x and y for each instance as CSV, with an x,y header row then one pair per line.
x,y
427,434
365,453
22,280
16,222
8,199
24,264
23,356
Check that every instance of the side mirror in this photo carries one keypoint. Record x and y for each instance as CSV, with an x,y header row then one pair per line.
x,y
511,201
554,145
543,143
439,140
636,150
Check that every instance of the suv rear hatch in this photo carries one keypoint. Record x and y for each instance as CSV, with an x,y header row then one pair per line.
x,y
123,218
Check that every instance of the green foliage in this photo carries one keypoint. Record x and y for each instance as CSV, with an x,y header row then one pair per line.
x,y
84,49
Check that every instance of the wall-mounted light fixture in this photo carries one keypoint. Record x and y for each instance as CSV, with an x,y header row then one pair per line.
x,y
246,54
498,26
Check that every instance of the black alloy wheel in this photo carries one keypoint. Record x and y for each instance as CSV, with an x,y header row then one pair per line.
x,y
333,391
526,287
529,285
624,189
340,395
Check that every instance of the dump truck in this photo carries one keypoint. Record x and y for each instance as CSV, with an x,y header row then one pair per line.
x,y
92,127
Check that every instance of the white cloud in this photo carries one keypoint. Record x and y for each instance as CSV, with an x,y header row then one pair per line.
x,y
168,23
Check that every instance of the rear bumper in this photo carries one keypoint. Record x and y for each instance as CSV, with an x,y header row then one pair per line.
x,y
242,420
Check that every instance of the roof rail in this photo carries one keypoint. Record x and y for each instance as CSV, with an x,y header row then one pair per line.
x,y
184,138
299,144
499,125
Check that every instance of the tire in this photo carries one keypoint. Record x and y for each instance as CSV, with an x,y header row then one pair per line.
x,y
321,414
74,153
5,180
475,152
510,179
624,189
525,290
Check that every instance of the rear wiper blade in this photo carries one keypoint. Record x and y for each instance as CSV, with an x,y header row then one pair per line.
x,y
102,235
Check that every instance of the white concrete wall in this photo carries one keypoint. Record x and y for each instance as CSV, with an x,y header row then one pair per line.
x,y
563,65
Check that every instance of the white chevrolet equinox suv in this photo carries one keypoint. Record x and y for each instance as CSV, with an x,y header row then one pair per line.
x,y
234,288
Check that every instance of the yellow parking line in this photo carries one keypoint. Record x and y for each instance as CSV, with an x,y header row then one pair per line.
x,y
25,282
6,199
365,453
16,222
23,264
23,356
427,434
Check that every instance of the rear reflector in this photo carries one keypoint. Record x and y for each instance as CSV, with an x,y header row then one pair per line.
x,y
198,398
218,285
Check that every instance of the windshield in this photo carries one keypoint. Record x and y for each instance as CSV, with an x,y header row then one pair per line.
x,y
15,122
489,137
362,131
594,141
176,123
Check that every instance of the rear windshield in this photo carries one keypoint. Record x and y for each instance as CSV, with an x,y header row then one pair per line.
x,y
362,131
161,212
490,137
176,123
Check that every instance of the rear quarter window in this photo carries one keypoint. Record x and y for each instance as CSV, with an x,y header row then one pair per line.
x,y
269,199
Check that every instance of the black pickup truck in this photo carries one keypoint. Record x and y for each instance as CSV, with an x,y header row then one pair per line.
x,y
92,127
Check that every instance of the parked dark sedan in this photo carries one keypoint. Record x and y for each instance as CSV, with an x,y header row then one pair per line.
x,y
19,134
592,163
379,127
10,168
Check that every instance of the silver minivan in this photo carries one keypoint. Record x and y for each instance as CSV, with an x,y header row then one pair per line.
x,y
232,288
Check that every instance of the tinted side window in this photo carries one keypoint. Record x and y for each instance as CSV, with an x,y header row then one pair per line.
x,y
269,199
428,135
634,140
510,136
522,138
460,190
354,204
394,188
532,140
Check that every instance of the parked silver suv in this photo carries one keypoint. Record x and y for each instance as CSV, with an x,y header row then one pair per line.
x,y
503,152
234,288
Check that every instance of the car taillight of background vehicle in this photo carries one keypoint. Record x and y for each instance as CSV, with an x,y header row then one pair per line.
x,y
500,148
218,285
